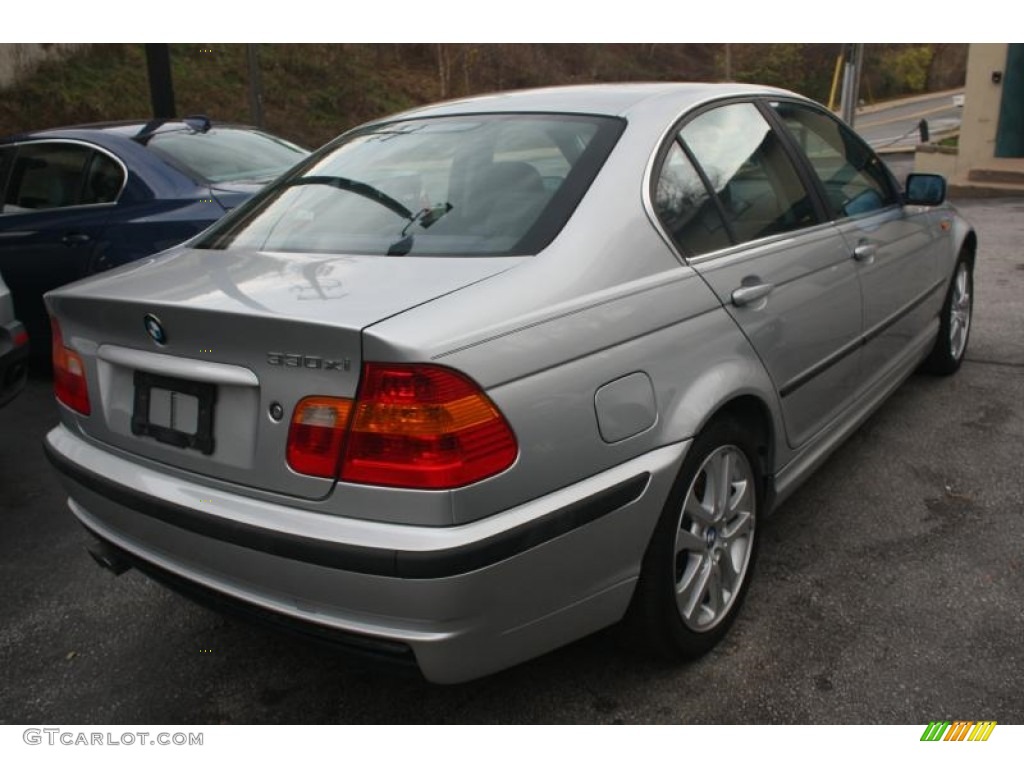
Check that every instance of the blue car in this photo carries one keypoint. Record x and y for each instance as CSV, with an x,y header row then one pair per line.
x,y
83,199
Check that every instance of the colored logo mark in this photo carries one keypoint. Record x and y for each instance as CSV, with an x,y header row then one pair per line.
x,y
155,329
958,730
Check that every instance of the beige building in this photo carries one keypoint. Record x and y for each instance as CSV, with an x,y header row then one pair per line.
x,y
990,155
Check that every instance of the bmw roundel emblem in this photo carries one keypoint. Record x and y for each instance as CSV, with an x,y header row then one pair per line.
x,y
155,329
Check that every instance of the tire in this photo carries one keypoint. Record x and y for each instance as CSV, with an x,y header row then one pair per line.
x,y
954,322
698,564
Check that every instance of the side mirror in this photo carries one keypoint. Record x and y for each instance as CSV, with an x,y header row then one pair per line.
x,y
925,189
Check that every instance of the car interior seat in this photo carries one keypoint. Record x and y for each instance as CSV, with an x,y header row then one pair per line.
x,y
508,197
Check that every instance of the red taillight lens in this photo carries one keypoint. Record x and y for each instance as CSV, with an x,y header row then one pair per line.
x,y
21,338
316,434
412,426
69,383
423,426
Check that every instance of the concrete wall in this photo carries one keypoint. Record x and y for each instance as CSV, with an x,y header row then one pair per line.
x,y
19,59
930,158
981,105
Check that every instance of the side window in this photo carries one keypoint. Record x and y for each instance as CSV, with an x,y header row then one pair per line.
x,y
685,207
854,179
755,181
55,175
103,180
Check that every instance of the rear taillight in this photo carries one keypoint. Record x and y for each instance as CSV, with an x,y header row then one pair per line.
x,y
69,383
422,426
316,434
20,338
412,426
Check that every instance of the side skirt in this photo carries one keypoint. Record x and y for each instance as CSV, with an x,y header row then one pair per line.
x,y
819,448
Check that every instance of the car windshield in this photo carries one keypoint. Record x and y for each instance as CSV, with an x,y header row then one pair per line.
x,y
228,154
454,186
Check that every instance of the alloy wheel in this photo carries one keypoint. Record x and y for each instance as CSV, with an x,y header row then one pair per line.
x,y
714,538
960,312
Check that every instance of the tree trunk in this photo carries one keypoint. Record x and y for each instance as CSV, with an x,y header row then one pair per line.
x,y
443,69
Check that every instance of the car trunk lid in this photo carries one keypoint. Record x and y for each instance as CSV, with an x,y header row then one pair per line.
x,y
196,359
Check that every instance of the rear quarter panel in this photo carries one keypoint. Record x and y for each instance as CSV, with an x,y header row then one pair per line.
x,y
544,366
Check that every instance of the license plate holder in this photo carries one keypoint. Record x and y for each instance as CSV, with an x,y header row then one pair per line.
x,y
148,384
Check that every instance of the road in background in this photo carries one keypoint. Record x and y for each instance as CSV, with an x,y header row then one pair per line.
x,y
893,126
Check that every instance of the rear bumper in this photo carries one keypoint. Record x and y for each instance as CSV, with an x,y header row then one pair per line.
x,y
385,654
467,600
13,362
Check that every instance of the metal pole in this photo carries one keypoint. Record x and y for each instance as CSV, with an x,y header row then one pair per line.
x,y
255,85
846,99
161,89
858,61
851,81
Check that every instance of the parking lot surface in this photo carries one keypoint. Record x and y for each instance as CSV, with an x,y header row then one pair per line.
x,y
890,589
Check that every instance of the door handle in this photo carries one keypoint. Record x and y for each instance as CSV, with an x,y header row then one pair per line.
x,y
75,238
865,251
748,294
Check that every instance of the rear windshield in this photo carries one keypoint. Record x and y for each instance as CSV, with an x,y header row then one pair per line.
x,y
228,154
456,186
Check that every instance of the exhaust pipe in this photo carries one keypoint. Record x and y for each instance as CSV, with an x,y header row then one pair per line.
x,y
108,557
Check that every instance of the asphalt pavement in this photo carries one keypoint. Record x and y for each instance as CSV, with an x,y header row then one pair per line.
x,y
890,589
892,126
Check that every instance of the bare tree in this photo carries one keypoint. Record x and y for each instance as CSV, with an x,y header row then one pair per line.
x,y
444,68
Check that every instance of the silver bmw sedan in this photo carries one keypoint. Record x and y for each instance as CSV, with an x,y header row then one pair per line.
x,y
476,380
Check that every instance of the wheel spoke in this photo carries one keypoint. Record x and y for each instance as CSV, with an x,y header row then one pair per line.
x,y
697,508
956,338
687,541
737,528
723,483
691,593
963,302
690,575
961,285
730,573
742,497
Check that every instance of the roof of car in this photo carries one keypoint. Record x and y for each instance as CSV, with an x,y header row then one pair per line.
x,y
600,99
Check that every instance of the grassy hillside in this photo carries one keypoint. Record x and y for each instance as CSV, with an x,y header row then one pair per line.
x,y
312,92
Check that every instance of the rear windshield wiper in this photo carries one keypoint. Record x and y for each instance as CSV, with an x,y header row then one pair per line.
x,y
426,217
358,187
